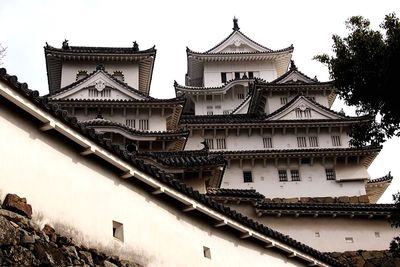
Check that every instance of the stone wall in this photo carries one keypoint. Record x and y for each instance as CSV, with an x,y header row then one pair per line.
x,y
364,258
22,243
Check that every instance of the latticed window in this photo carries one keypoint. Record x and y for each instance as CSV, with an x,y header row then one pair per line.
x,y
240,96
226,112
247,177
283,100
313,140
267,142
295,175
221,144
210,143
131,123
104,93
301,141
282,175
143,124
330,174
210,112
336,140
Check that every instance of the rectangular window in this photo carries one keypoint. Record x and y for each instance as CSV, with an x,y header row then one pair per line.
x,y
295,175
237,75
131,123
240,96
313,141
210,113
377,235
267,142
210,143
218,107
247,177
223,77
251,75
143,125
282,175
118,231
221,144
330,174
336,140
207,252
283,100
301,141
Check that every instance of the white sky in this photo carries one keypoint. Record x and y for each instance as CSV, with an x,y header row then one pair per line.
x,y
172,25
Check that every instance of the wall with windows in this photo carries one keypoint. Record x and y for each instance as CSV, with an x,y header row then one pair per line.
x,y
70,70
335,234
260,69
241,140
294,179
219,104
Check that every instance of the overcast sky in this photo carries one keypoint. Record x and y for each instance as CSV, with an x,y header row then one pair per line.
x,y
172,25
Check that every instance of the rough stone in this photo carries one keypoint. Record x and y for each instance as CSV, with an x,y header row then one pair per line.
x,y
50,232
291,200
9,235
14,203
71,251
86,256
353,200
363,199
343,199
305,199
108,264
26,238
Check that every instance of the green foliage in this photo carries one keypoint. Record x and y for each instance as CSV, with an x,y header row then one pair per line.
x,y
364,69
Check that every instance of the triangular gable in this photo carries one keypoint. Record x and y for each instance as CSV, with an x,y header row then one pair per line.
x,y
302,108
99,85
237,42
296,77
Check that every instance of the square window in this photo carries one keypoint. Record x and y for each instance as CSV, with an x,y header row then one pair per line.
x,y
221,144
251,75
317,234
295,175
313,141
301,141
143,125
330,174
247,177
282,175
237,75
118,230
377,235
130,123
207,252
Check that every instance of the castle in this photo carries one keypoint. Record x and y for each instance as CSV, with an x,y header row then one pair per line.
x,y
248,131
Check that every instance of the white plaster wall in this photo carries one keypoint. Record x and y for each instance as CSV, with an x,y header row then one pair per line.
x,y
313,180
130,71
333,231
212,70
279,140
227,101
156,121
114,94
76,192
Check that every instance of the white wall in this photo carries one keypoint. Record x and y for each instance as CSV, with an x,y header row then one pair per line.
x,y
274,102
333,231
130,71
83,196
212,70
313,179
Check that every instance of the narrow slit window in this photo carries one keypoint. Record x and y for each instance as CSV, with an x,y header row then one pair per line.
x,y
118,230
223,77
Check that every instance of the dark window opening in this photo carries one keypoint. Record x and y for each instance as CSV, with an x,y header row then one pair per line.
x,y
223,77
247,177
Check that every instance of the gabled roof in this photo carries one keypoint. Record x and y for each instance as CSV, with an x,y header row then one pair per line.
x,y
293,75
41,110
55,57
91,80
303,103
